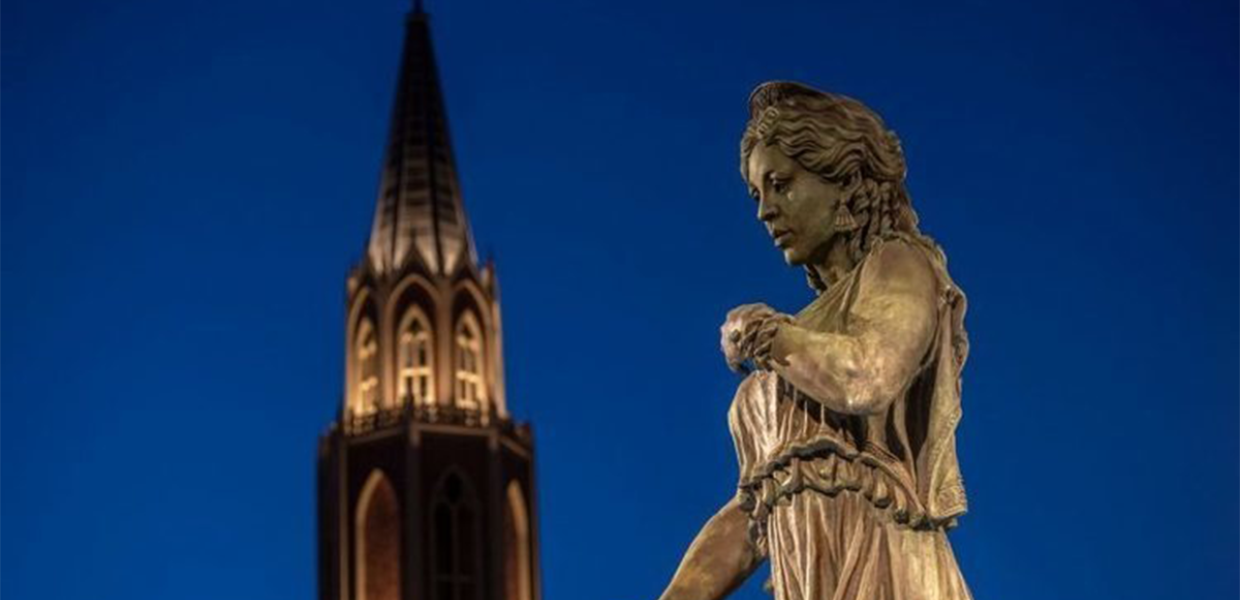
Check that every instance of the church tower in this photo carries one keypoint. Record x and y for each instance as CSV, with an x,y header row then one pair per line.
x,y
425,484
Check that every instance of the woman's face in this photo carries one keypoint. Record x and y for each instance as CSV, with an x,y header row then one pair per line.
x,y
797,206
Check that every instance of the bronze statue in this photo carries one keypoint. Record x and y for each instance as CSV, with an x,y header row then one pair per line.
x,y
845,423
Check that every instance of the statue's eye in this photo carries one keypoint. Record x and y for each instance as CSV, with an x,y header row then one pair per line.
x,y
778,184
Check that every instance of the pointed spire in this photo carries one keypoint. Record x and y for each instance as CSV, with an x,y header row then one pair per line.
x,y
419,215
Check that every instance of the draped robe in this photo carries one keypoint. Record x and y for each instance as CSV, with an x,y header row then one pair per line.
x,y
857,506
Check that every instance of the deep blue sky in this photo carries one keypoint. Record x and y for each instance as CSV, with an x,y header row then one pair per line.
x,y
186,183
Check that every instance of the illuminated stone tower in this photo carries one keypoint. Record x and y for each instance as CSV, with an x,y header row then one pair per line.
x,y
426,486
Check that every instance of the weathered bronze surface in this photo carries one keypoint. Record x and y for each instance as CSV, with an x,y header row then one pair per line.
x,y
845,422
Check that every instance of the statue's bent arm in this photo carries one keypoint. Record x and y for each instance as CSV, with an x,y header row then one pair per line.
x,y
721,557
862,370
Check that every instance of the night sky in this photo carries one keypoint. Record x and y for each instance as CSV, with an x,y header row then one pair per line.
x,y
185,185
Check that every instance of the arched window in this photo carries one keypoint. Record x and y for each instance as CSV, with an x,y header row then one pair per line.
x,y
366,353
414,359
469,390
456,555
517,575
377,539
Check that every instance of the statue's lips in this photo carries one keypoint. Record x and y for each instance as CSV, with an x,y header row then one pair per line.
x,y
782,237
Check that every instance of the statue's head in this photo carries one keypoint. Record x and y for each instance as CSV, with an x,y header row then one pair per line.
x,y
824,171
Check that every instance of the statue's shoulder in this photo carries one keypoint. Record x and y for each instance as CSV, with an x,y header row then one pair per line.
x,y
901,265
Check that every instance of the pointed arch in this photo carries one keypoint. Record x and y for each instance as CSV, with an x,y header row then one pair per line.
x,y
468,297
517,575
365,353
415,358
413,290
456,539
469,358
467,293
361,311
377,540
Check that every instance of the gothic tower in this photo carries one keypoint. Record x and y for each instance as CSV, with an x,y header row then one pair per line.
x,y
425,484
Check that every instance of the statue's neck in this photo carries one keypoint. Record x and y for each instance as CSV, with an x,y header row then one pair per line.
x,y
835,263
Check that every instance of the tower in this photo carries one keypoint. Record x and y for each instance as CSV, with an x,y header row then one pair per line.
x,y
425,484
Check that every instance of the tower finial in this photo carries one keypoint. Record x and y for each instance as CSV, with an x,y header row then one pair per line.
x,y
417,7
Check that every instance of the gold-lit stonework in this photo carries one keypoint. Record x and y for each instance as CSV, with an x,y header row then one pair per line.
x,y
426,483
845,422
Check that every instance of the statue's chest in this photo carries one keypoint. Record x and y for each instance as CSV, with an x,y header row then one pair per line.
x,y
829,312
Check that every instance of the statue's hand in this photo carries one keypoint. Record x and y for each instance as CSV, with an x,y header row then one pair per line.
x,y
747,333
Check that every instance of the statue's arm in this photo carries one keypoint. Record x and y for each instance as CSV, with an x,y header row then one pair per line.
x,y
891,327
721,557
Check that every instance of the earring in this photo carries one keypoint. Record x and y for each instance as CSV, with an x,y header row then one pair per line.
x,y
844,220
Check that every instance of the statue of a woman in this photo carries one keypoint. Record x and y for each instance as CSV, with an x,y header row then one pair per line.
x,y
845,428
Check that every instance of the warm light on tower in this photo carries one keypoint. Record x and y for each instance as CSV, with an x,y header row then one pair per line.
x,y
425,484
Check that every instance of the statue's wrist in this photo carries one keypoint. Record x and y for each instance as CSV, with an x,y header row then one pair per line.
x,y
770,330
783,344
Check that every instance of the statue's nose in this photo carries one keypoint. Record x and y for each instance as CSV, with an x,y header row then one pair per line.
x,y
766,210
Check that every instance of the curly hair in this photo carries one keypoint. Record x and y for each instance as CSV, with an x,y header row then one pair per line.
x,y
842,141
